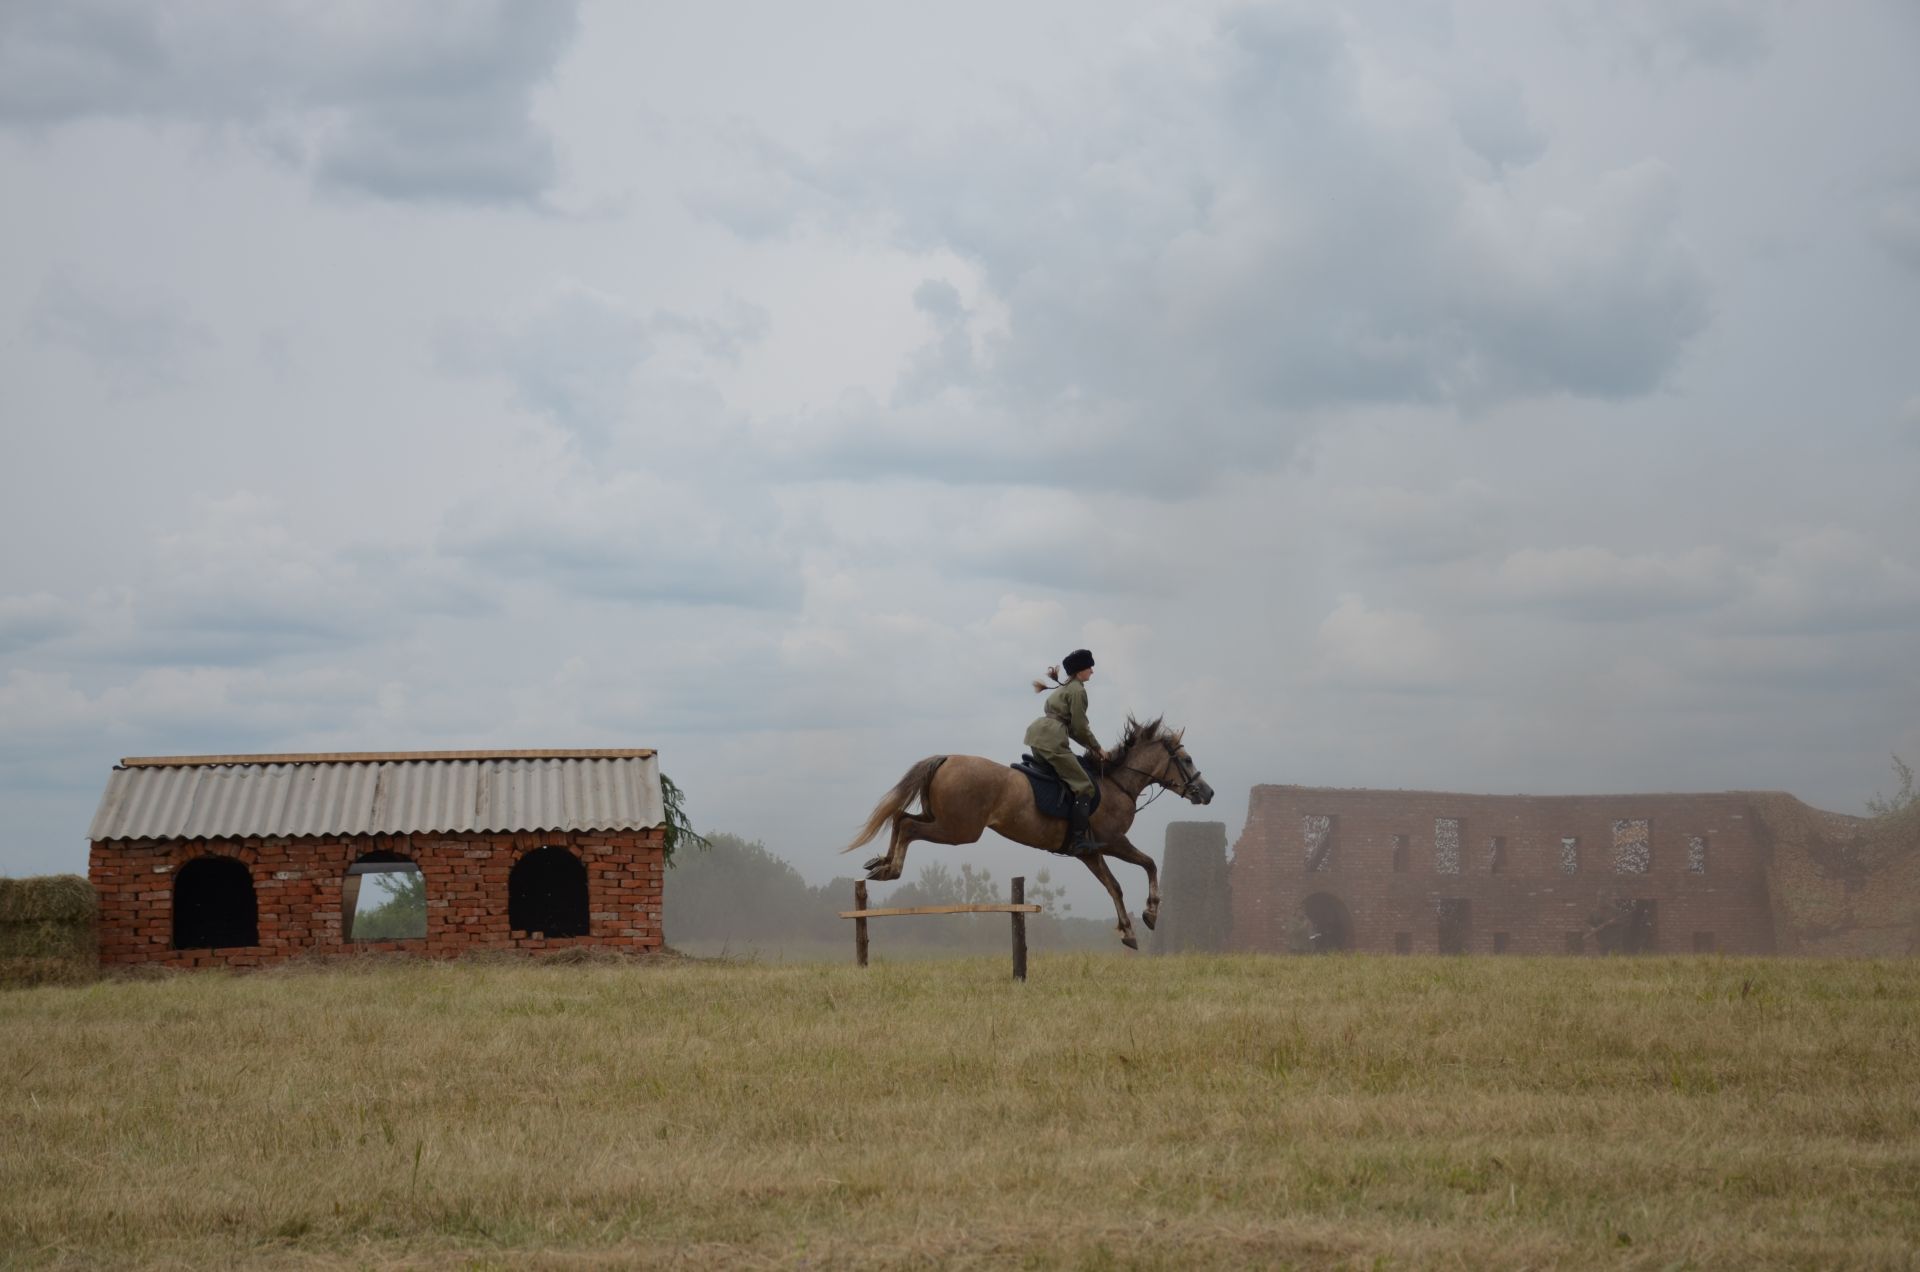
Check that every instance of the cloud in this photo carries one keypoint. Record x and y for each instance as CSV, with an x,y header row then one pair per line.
x,y
236,586
574,356
636,538
400,99
1383,650
1201,252
1895,226
1595,583
139,342
1667,37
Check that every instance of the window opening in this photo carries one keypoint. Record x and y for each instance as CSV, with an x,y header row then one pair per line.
x,y
1399,854
547,893
1632,846
1317,831
214,906
1403,942
1446,845
1696,854
1703,942
1499,942
1497,855
383,898
1576,942
1570,855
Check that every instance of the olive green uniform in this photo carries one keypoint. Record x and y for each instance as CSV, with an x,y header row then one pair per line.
x,y
1066,717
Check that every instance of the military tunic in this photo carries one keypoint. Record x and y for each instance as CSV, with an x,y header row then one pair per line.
x,y
1066,717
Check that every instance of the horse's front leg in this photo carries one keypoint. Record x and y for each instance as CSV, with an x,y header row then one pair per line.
x,y
1098,865
1121,847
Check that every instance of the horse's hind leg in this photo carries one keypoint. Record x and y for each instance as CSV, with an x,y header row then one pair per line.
x,y
1118,846
895,857
1098,865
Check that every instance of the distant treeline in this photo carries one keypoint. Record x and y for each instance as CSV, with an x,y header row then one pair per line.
x,y
742,894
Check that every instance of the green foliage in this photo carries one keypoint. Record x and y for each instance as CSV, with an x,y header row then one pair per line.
x,y
679,829
402,915
1906,797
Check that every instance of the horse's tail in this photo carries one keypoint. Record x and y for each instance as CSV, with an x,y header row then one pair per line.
x,y
915,785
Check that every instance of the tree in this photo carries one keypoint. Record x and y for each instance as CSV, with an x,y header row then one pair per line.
x,y
403,914
1906,797
679,830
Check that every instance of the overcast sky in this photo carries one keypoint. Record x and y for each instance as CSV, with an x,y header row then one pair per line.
x,y
1495,397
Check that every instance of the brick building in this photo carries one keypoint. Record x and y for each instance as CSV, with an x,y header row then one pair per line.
x,y
1425,872
239,861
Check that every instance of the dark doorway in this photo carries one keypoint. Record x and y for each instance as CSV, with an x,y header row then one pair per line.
x,y
1456,923
1627,927
547,893
1329,926
214,906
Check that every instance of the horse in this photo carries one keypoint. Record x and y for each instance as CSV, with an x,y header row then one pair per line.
x,y
964,796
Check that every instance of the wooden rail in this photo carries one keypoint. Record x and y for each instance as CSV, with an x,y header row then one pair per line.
x,y
940,909
1016,907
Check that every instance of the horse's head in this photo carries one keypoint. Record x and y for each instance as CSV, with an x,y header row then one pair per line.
x,y
1180,774
1160,756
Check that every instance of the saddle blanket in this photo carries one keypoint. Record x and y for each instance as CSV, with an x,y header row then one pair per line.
x,y
1052,796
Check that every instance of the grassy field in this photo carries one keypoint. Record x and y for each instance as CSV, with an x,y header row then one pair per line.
x,y
1113,1112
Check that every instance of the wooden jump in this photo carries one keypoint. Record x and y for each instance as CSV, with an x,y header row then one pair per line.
x,y
1016,907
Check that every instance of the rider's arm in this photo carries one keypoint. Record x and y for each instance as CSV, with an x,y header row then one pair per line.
x,y
1077,726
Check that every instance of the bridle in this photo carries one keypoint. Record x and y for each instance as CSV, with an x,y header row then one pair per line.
x,y
1188,775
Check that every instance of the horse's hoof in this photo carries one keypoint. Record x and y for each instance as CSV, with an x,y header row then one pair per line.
x,y
1129,942
1147,918
874,864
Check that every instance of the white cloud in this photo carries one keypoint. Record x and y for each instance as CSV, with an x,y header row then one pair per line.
x,y
1385,650
397,98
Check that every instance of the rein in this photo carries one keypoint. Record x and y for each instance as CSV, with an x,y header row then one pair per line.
x,y
1186,778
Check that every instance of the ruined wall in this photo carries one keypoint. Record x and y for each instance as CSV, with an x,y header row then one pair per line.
x,y
298,889
1841,885
1194,909
1416,871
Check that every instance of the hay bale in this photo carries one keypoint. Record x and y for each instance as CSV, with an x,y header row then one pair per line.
x,y
55,898
47,931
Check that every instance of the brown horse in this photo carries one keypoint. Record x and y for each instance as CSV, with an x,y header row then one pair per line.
x,y
964,796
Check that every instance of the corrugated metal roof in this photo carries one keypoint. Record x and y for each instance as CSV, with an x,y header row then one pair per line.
x,y
210,797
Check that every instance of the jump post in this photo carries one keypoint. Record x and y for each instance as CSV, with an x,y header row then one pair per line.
x,y
1016,907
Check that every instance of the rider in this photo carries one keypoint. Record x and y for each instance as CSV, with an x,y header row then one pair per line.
x,y
1066,717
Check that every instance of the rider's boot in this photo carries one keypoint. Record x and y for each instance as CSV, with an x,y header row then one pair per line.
x,y
1080,840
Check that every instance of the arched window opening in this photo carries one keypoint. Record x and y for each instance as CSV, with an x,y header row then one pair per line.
x,y
213,905
547,893
1329,925
383,898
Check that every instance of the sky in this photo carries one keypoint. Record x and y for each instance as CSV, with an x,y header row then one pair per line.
x,y
1496,397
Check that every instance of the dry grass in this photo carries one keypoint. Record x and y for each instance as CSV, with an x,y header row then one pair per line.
x,y
1180,1112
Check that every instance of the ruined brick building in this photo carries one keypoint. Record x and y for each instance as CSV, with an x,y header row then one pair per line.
x,y
245,860
1321,869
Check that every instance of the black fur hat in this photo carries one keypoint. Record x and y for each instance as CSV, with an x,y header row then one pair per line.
x,y
1077,661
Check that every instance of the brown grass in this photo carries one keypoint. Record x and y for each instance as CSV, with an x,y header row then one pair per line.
x,y
1179,1112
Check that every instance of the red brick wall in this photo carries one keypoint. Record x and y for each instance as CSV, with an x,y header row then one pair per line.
x,y
297,885
1531,899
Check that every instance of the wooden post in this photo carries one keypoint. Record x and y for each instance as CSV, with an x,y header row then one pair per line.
x,y
1019,929
860,925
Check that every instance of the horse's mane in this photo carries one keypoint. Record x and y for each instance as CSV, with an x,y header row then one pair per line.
x,y
1137,734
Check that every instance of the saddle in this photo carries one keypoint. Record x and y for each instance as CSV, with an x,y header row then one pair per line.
x,y
1052,796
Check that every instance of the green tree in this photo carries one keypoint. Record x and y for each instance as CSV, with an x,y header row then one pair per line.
x,y
680,831
403,913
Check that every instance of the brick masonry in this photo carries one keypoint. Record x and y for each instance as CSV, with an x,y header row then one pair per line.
x,y
1521,898
297,884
